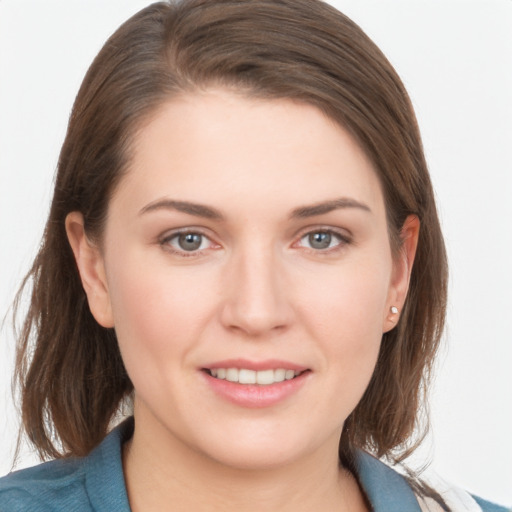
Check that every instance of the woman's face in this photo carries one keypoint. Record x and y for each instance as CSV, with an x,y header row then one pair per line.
x,y
247,270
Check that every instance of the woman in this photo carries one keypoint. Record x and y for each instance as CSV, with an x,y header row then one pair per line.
x,y
243,241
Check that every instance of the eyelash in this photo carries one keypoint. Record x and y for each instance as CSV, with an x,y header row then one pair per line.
x,y
166,242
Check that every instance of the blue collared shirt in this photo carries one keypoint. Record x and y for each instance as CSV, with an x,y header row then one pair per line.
x,y
96,483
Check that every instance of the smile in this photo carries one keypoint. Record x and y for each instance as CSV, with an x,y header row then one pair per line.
x,y
261,377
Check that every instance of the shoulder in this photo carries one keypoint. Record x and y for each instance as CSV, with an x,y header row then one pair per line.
x,y
92,483
387,489
41,487
487,506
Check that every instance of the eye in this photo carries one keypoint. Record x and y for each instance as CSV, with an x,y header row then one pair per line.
x,y
188,242
322,240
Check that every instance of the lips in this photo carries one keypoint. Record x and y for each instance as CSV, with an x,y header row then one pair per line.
x,y
255,384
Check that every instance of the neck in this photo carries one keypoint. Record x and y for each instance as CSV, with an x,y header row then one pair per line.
x,y
168,475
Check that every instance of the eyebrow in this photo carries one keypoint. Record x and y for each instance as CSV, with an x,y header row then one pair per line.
x,y
198,210
201,210
326,207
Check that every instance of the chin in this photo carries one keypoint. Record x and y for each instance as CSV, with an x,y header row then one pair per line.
x,y
268,447
256,456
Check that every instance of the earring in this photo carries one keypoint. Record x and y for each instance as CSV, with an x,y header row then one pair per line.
x,y
394,310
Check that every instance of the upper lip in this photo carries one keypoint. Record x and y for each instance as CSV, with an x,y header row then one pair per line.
x,y
267,364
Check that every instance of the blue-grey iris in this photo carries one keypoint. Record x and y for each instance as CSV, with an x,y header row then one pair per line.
x,y
320,240
190,241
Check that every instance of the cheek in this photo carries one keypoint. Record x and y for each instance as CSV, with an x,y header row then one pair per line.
x,y
349,299
345,316
158,311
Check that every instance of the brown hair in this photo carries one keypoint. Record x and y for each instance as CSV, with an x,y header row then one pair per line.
x,y
69,368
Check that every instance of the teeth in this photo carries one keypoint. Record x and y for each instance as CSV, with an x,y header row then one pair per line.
x,y
265,377
279,375
262,377
247,376
232,374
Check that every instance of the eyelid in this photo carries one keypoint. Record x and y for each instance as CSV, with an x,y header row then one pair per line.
x,y
324,228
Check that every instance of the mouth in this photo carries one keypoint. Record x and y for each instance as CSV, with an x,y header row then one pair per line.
x,y
260,377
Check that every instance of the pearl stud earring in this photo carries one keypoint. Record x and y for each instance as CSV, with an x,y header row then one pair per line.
x,y
394,310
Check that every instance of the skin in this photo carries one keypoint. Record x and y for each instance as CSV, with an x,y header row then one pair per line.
x,y
256,289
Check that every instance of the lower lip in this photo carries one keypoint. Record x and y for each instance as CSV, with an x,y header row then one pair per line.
x,y
256,396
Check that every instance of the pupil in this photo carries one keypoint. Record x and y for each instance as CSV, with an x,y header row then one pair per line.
x,y
320,240
190,241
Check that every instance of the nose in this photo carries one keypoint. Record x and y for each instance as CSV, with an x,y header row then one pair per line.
x,y
256,298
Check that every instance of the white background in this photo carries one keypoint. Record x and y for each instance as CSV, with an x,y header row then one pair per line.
x,y
455,58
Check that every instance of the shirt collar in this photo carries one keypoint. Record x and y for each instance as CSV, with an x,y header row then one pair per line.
x,y
104,477
385,488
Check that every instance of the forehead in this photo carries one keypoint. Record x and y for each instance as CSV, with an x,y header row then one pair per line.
x,y
219,145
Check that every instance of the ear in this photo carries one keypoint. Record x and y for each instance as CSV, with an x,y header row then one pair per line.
x,y
91,267
402,268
